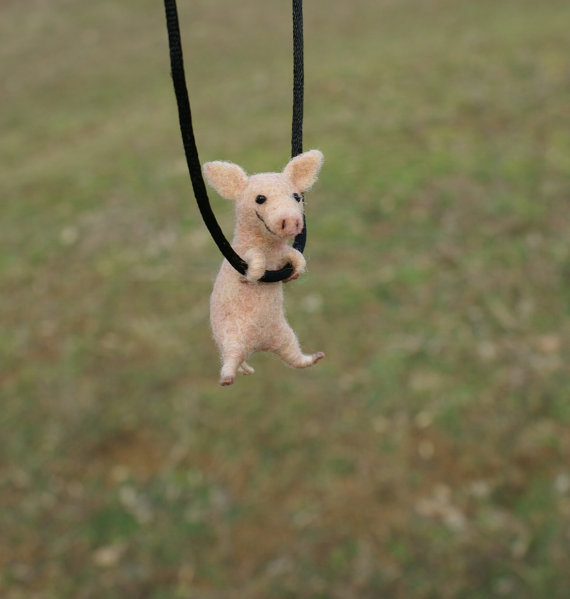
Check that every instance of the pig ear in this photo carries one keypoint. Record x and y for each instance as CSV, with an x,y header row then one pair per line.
x,y
228,179
303,170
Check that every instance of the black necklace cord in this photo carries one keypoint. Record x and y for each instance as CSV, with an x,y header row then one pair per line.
x,y
187,132
189,142
298,102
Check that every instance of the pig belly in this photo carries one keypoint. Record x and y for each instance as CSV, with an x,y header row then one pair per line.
x,y
246,315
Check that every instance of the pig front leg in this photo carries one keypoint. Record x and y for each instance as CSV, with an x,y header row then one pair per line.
x,y
290,352
298,262
255,259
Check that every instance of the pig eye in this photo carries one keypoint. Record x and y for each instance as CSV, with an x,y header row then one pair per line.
x,y
260,199
297,197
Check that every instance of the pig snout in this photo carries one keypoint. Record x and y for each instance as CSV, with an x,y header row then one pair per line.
x,y
289,226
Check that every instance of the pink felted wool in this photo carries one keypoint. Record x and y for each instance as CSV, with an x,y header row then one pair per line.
x,y
248,316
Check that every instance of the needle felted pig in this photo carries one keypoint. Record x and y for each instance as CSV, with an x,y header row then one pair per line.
x,y
246,315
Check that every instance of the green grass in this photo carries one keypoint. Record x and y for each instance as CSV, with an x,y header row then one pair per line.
x,y
428,455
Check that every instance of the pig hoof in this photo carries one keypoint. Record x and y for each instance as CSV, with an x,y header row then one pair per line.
x,y
226,380
318,356
292,277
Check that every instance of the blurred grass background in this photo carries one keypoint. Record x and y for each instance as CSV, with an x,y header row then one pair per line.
x,y
429,455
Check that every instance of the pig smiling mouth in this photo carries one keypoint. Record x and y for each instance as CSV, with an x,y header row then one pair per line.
x,y
265,224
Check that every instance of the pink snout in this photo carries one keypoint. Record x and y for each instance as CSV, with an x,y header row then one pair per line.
x,y
289,226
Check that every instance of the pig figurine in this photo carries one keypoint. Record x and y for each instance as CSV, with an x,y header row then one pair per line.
x,y
246,315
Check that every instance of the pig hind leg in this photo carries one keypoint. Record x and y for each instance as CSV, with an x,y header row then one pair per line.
x,y
245,368
290,351
233,358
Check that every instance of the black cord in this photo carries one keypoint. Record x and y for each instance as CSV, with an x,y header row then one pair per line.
x,y
187,132
298,88
185,120
298,79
